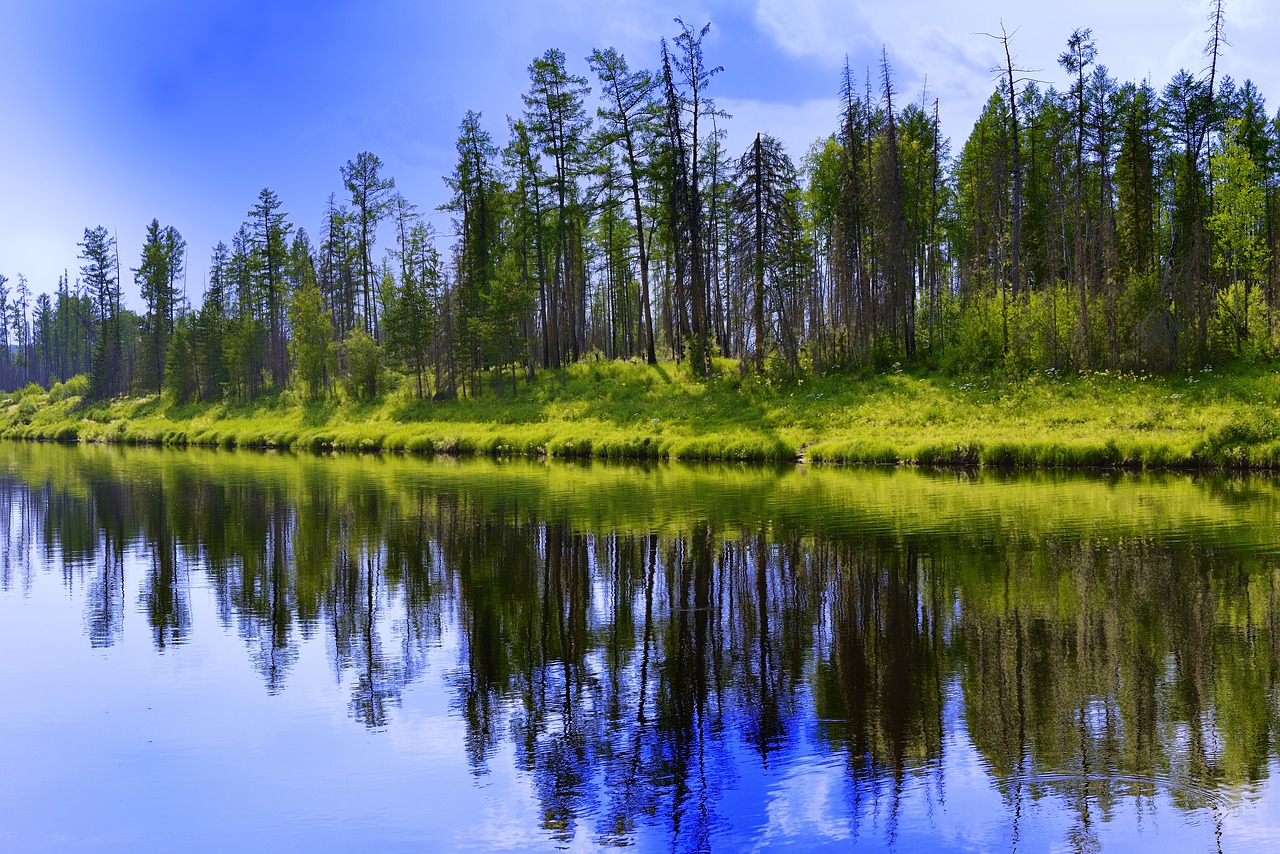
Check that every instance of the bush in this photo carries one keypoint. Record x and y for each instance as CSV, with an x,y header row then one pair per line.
x,y
29,390
77,386
366,375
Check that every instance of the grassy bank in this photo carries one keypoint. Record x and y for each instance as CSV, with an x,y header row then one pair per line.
x,y
622,410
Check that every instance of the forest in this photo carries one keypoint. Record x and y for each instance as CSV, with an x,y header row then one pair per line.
x,y
1109,226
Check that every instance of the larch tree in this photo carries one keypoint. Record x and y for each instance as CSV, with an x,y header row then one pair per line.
x,y
270,235
1186,107
694,76
246,339
311,342
528,233
556,116
851,221
900,295
182,375
157,277
1240,251
627,97
211,328
477,206
761,180
1135,182
1080,53
18,321
370,203
99,272
336,267
5,360
410,318
1011,81
43,326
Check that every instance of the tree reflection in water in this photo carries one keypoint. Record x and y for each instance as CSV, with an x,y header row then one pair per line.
x,y
635,673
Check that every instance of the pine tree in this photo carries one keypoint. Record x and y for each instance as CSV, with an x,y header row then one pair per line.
x,y
157,279
108,373
1240,252
761,179
557,121
269,240
477,205
627,97
311,345
370,201
210,329
181,374
410,319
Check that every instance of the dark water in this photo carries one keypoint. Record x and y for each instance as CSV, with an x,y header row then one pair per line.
x,y
216,650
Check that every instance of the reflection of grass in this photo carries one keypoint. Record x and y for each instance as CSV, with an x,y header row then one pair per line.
x,y
632,411
1235,512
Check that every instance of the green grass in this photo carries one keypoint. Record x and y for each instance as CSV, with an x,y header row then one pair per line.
x,y
620,410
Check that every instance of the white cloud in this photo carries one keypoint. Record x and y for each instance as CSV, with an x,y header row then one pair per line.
x,y
944,41
83,163
814,29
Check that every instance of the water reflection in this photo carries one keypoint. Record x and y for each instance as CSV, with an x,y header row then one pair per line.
x,y
644,667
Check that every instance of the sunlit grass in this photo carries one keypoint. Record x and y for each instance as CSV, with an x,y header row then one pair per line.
x,y
626,410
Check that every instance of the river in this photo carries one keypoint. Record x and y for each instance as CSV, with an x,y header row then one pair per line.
x,y
208,649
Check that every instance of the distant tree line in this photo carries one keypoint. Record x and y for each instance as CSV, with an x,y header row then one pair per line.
x,y
1108,226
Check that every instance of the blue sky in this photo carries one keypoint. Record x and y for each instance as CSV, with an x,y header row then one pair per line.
x,y
118,111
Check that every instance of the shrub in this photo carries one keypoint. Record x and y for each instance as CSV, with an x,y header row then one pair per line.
x,y
77,386
366,374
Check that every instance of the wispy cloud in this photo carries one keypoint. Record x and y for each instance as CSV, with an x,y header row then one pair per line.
x,y
815,29
944,42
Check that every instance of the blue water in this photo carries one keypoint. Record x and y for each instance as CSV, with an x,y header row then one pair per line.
x,y
212,652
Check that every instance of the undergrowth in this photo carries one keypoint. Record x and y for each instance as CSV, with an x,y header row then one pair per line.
x,y
628,410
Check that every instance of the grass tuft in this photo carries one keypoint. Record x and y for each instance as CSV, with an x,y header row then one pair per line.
x,y
632,411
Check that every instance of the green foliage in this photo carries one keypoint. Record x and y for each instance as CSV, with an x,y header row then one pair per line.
x,y
245,349
505,305
77,386
157,278
975,343
412,307
311,344
1106,227
1240,252
366,374
28,391
822,171
620,410
1241,328
108,374
180,378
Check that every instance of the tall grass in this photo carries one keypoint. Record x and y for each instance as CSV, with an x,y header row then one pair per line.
x,y
621,410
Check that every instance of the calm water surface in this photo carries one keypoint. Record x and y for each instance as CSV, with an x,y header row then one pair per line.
x,y
214,650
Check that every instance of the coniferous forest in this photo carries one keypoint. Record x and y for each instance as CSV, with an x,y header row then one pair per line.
x,y
1109,225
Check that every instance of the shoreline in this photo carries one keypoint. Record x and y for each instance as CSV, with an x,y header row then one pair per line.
x,y
1003,457
628,411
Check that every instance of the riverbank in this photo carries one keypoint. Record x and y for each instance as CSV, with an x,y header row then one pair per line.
x,y
631,411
